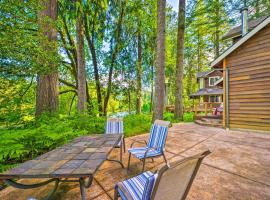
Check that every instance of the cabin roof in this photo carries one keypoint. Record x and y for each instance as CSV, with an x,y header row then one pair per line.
x,y
207,91
217,61
236,31
206,73
202,74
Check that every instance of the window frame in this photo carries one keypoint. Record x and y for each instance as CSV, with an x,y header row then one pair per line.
x,y
213,77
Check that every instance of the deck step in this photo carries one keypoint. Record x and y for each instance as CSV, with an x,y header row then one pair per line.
x,y
211,120
217,123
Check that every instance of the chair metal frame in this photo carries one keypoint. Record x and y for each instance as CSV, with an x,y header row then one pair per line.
x,y
200,158
158,122
160,173
122,143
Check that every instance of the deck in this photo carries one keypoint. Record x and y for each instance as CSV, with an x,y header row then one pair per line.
x,y
238,168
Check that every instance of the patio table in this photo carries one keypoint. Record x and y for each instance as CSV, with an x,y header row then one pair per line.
x,y
76,161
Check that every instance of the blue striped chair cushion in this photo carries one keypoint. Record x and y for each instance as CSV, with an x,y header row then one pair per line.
x,y
139,187
114,127
158,136
140,151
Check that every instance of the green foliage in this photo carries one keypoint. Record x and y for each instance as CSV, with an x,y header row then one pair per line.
x,y
188,117
18,145
137,124
50,131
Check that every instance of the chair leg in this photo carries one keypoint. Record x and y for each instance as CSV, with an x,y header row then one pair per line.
x,y
115,193
164,157
143,164
129,160
121,153
152,160
124,144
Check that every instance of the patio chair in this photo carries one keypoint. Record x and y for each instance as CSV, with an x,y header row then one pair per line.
x,y
171,182
115,126
155,145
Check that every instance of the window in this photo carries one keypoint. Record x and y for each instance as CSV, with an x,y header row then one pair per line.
x,y
213,79
201,83
214,99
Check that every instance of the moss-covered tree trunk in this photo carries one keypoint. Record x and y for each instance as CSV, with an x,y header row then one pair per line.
x,y
47,80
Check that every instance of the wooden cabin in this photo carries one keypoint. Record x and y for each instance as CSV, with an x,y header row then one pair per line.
x,y
246,78
210,92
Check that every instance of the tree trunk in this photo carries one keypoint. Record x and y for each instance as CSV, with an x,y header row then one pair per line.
x,y
152,88
82,96
47,83
139,74
178,111
115,51
217,29
160,61
92,48
199,51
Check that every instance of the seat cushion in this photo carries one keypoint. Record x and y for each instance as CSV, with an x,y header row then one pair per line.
x,y
137,188
139,152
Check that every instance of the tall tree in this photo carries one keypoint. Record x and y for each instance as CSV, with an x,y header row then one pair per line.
x,y
82,96
160,61
178,113
47,80
139,70
114,52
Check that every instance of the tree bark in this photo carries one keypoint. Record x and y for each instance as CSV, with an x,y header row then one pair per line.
x,y
217,28
139,73
82,96
152,88
96,72
160,61
178,111
199,51
47,83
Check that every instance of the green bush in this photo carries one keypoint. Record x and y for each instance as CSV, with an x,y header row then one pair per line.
x,y
137,124
187,117
48,132
37,137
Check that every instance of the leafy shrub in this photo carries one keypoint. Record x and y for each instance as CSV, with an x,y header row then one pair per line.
x,y
187,117
137,124
48,132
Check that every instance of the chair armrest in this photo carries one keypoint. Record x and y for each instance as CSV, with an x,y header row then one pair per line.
x,y
146,152
138,141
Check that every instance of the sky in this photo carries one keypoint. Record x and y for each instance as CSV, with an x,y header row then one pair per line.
x,y
174,4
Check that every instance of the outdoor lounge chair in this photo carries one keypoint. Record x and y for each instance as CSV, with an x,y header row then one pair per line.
x,y
155,145
115,126
171,182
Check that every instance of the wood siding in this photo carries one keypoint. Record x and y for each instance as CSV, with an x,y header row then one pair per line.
x,y
249,83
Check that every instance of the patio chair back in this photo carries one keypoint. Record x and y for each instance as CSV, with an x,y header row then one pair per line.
x,y
114,126
158,134
175,180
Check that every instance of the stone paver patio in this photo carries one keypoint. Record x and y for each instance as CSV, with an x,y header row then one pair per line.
x,y
238,168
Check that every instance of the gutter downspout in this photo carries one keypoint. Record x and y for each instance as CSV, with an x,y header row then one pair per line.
x,y
227,99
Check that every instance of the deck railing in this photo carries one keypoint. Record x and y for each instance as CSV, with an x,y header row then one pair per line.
x,y
205,107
